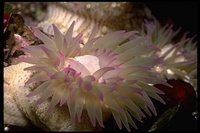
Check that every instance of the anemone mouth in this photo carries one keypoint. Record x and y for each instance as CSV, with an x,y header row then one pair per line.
x,y
106,72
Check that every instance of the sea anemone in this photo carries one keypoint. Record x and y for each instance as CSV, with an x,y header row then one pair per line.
x,y
84,13
180,58
110,16
106,72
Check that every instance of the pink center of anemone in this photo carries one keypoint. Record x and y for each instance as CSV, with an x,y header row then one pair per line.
x,y
87,64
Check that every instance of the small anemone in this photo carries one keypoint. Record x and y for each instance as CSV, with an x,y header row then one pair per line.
x,y
180,59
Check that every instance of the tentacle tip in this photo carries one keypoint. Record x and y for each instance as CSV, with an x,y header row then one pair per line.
x,y
29,95
27,83
61,103
79,119
73,23
73,121
50,109
94,124
54,26
39,102
129,130
102,125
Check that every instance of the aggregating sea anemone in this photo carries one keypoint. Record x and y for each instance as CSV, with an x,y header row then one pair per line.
x,y
109,72
180,58
110,16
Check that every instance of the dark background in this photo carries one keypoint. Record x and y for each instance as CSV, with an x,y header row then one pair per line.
x,y
180,14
